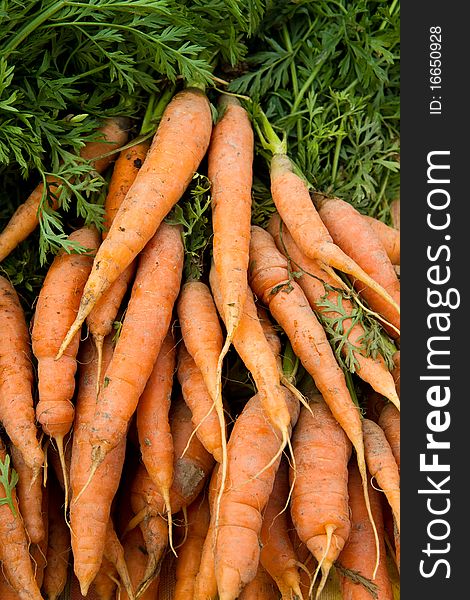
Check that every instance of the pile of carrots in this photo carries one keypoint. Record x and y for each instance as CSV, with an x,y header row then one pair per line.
x,y
124,459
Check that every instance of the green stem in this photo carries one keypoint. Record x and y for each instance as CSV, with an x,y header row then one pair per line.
x,y
155,110
351,388
307,84
290,363
269,138
339,141
295,83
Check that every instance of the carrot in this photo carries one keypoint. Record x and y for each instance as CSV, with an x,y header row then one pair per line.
x,y
253,443
262,587
395,213
389,421
26,217
319,505
178,147
16,379
269,280
114,553
145,325
14,554
38,551
6,591
58,544
156,442
346,225
382,465
270,333
30,497
372,370
355,565
55,310
197,397
277,553
89,516
100,320
306,561
396,370
189,554
104,583
135,555
389,238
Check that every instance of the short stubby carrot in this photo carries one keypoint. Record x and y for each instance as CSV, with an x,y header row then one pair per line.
x,y
277,553
389,421
389,238
16,378
147,320
252,465
346,225
374,371
177,149
319,505
14,547
288,305
356,558
90,511
292,199
26,218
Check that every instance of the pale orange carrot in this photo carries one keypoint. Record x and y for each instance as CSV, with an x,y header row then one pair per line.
x,y
114,553
104,584
389,238
178,147
389,421
16,378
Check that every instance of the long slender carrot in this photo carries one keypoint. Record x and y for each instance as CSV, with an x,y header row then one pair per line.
x,y
145,325
89,515
55,310
372,370
356,555
288,305
277,553
153,427
100,320
178,147
254,443
16,378
25,219
14,554
38,552
389,238
346,225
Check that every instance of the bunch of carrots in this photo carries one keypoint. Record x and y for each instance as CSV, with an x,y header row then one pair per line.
x,y
124,457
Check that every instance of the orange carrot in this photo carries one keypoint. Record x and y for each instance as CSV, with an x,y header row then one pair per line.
x,y
277,553
389,421
389,238
396,370
55,310
372,370
114,553
178,147
270,333
16,378
145,325
30,497
189,554
319,505
14,554
100,320
197,397
38,552
253,443
262,587
135,555
356,557
25,219
156,442
104,583
90,513
269,280
306,561
382,465
346,225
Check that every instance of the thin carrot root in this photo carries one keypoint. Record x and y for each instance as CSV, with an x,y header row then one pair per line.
x,y
135,521
285,441
97,458
363,471
325,569
166,499
84,310
99,341
60,448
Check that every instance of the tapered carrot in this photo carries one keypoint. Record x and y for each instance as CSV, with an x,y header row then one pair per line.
x,y
58,544
319,505
346,225
277,553
55,310
30,497
270,333
189,554
197,397
114,552
372,370
145,325
357,555
135,555
389,421
254,443
25,219
382,465
38,551
14,555
16,378
178,147
105,582
262,587
90,513
389,238
156,442
288,305
100,320
306,561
